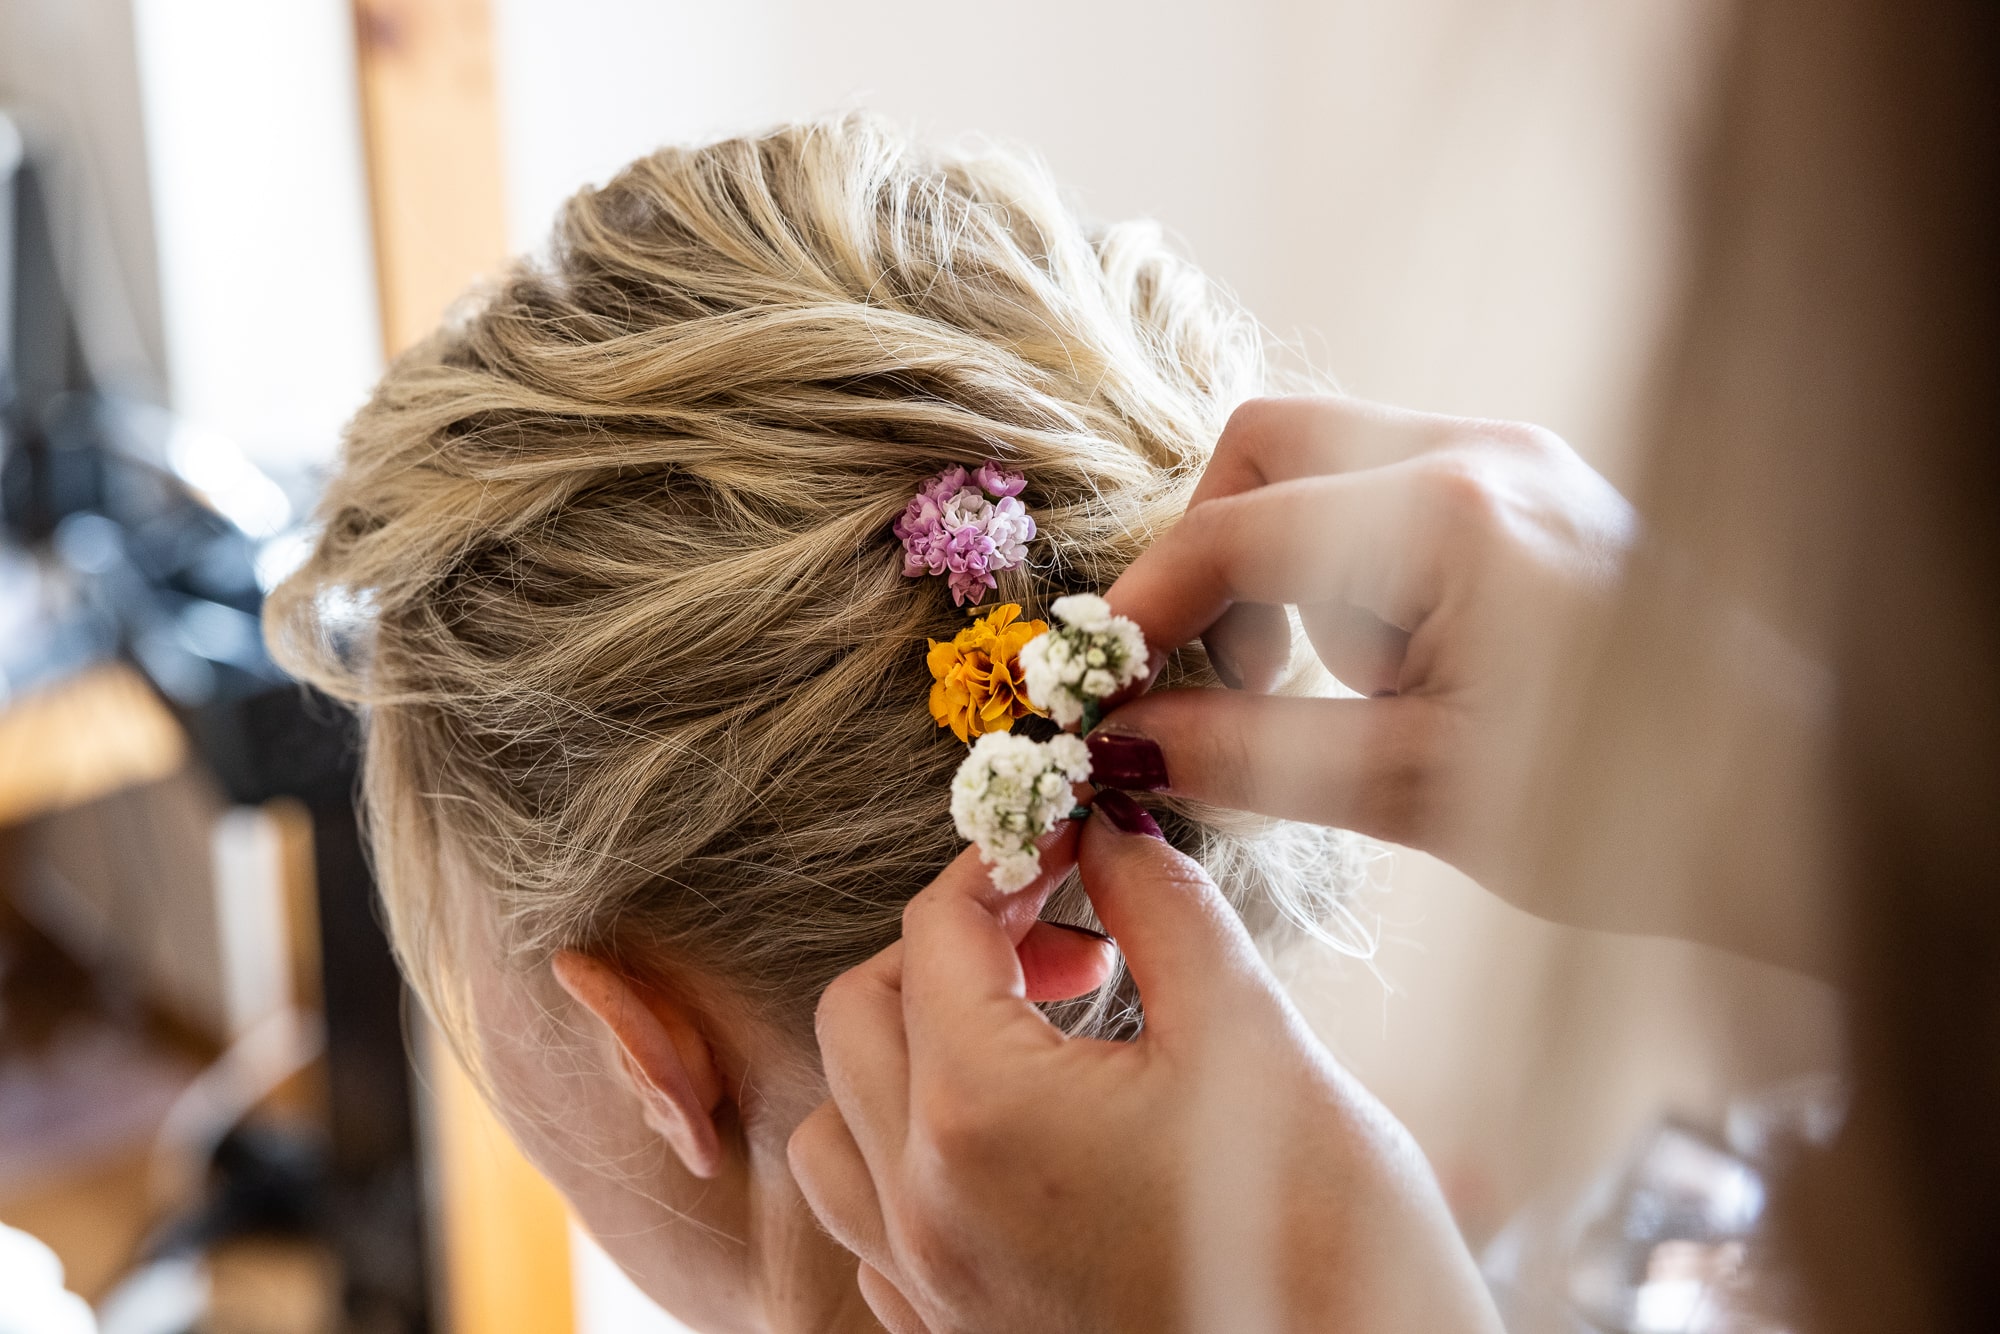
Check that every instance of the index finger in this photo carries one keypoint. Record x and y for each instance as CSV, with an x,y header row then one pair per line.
x,y
1175,591
961,976
1312,435
968,932
1351,539
1271,440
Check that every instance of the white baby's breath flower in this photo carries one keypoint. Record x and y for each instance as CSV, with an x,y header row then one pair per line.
x,y
1091,655
1011,790
1085,611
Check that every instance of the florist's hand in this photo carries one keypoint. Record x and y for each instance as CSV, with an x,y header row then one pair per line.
x,y
1436,563
1220,1172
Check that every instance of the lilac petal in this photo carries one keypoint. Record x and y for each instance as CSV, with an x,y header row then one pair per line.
x,y
969,584
944,486
966,531
998,482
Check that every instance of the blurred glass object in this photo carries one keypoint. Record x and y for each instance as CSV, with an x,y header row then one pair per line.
x,y
162,539
89,543
1672,1241
138,533
224,477
1667,1254
36,1301
167,1297
260,211
277,558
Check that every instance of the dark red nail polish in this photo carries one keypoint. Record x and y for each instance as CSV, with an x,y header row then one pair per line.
x,y
1126,814
1118,759
1080,930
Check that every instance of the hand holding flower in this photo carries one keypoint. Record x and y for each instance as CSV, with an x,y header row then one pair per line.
x,y
1074,668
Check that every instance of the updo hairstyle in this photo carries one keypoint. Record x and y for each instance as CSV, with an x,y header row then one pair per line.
x,y
606,562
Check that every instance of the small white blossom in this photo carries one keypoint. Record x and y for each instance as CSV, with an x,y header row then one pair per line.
x,y
1009,792
1090,656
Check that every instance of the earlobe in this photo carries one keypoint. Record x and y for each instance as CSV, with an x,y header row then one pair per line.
x,y
672,1065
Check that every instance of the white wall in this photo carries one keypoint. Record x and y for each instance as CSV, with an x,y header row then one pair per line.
x,y
1452,203
211,205
607,1302
68,69
267,278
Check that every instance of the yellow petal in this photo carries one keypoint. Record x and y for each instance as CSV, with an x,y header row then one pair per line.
x,y
1010,644
941,657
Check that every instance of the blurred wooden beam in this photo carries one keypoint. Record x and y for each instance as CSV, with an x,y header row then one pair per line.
x,y
506,1236
431,125
431,128
86,738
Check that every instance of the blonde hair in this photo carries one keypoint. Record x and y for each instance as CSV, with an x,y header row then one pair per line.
x,y
607,560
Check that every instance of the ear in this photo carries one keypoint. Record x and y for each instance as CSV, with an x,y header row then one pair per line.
x,y
671,1064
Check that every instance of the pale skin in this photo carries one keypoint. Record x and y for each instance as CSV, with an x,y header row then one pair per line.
x,y
660,1104
992,1175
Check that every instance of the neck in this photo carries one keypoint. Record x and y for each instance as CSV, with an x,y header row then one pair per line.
x,y
805,1281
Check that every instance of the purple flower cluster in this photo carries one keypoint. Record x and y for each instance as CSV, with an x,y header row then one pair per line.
x,y
966,528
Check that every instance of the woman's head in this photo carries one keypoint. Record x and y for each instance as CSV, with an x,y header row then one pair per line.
x,y
608,563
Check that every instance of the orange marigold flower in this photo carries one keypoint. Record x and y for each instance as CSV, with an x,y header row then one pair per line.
x,y
977,674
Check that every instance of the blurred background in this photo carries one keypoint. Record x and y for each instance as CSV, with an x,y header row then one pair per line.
x,y
218,217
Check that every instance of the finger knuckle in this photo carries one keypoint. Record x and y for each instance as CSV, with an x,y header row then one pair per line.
x,y
1210,528
837,999
1224,760
1225,765
1273,430
1519,437
1464,493
1203,522
1252,419
1183,876
922,911
931,1247
957,1128
1401,790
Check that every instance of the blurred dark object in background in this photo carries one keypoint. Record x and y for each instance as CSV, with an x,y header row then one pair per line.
x,y
130,537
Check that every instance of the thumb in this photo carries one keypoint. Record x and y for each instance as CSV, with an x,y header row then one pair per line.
x,y
1186,947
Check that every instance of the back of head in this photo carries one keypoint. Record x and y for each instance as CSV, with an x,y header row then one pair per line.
x,y
608,559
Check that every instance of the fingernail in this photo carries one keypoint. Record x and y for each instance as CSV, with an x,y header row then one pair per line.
x,y
1127,814
1120,759
1225,669
1080,930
